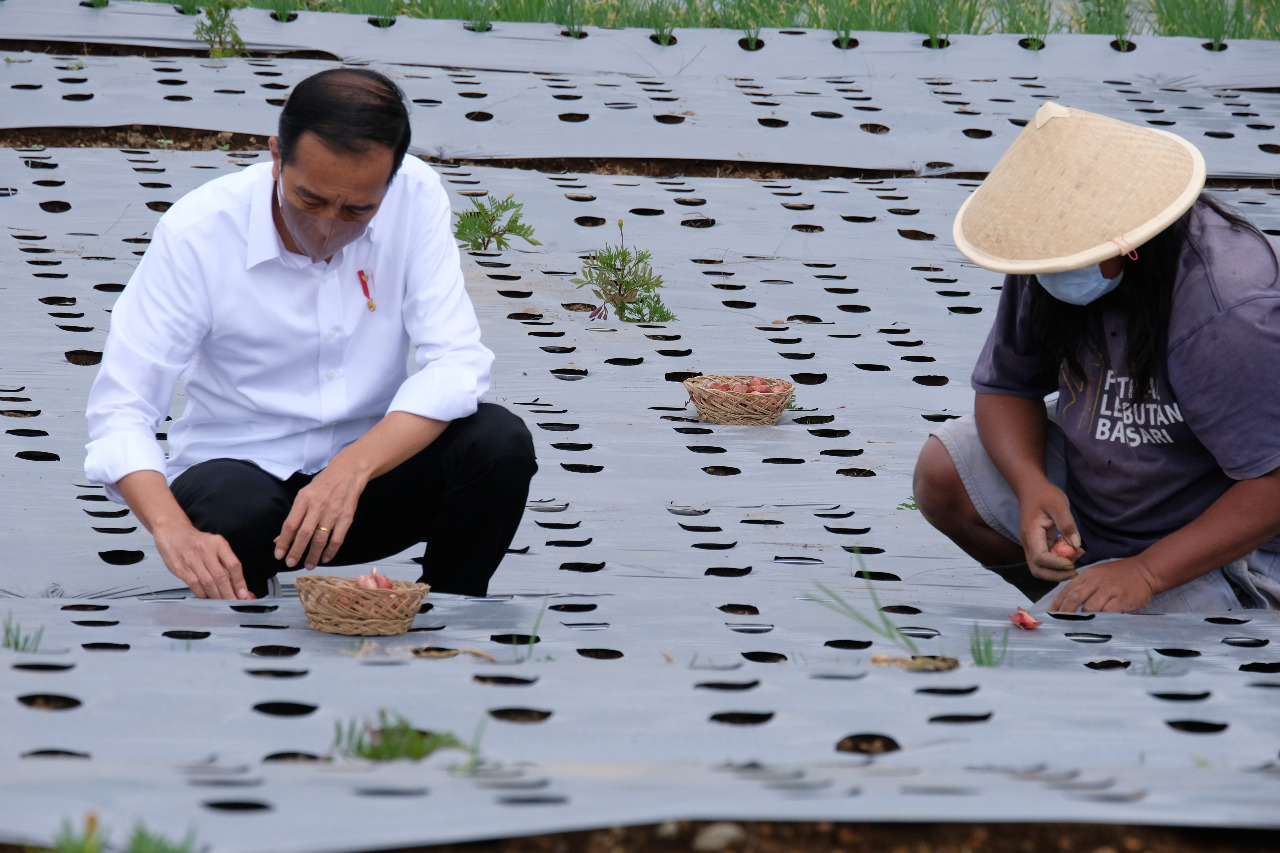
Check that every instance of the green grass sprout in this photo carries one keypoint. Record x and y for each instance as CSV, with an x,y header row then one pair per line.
x,y
882,625
982,646
16,641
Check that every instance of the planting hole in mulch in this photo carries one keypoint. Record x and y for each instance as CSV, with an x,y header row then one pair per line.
x,y
49,702
519,715
868,744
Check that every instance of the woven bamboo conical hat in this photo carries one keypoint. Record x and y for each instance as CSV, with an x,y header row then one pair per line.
x,y
1074,189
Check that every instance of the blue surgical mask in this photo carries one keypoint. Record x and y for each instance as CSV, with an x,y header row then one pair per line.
x,y
1078,287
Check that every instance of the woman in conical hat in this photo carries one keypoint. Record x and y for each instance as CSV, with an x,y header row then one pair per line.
x,y
1152,482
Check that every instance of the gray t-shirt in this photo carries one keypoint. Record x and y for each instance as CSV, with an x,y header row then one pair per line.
x,y
1136,473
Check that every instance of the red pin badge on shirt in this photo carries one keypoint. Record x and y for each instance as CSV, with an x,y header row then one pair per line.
x,y
366,284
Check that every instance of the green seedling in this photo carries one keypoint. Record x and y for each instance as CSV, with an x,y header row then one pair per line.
x,y
982,646
490,222
226,146
792,405
748,16
663,21
1031,17
533,635
189,7
75,65
472,764
622,277
1217,20
569,14
92,839
217,29
164,143
393,738
98,4
282,9
16,641
882,626
909,503
1104,17
479,15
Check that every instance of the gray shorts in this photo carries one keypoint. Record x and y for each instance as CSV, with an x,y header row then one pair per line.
x,y
1250,582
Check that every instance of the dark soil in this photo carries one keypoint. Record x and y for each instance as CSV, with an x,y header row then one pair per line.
x,y
678,837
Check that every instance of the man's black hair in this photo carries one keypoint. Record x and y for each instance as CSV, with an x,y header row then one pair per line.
x,y
1146,295
348,109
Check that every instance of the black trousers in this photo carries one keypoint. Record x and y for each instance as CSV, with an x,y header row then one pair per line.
x,y
463,496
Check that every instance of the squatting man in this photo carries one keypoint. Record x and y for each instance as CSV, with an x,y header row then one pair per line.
x,y
286,297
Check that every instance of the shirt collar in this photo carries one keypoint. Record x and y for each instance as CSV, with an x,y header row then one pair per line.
x,y
264,241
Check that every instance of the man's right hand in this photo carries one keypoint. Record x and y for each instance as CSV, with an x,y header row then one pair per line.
x,y
1046,514
203,561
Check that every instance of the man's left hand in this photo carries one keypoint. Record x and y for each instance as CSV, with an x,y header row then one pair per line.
x,y
1121,586
320,518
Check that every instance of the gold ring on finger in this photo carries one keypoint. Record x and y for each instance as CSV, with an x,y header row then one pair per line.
x,y
323,529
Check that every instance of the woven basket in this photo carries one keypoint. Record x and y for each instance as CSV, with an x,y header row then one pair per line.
x,y
337,606
737,407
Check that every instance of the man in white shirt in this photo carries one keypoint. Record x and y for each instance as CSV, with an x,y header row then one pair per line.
x,y
286,297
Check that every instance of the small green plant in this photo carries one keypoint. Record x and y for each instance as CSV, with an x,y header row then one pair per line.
x,y
1034,18
472,764
16,641
622,277
909,503
282,9
533,636
93,840
75,65
663,21
1217,20
1153,666
226,146
189,7
792,405
490,222
569,14
882,626
1104,17
164,143
394,737
748,16
480,15
217,28
982,646
98,4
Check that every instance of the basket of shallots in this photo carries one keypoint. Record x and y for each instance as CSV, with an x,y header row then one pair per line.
x,y
739,400
371,604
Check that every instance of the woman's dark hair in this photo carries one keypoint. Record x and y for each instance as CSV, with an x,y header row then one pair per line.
x,y
1146,296
349,109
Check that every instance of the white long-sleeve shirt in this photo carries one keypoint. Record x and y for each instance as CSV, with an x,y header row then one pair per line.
x,y
282,360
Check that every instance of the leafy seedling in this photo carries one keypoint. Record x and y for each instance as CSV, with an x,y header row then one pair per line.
x,y
490,222
569,15
909,503
217,29
982,645
622,277
479,15
16,641
393,738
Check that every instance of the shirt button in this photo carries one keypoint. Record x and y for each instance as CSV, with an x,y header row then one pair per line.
x,y
330,375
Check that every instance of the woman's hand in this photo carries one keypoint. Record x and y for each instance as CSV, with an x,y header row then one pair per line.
x,y
1046,514
1120,586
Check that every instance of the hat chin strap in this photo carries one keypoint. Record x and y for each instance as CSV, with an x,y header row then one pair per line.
x,y
1125,248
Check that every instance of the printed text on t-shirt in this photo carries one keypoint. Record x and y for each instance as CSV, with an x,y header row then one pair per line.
x,y
1119,419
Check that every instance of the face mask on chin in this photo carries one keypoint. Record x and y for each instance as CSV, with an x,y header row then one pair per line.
x,y
317,237
1080,286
